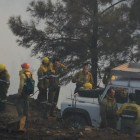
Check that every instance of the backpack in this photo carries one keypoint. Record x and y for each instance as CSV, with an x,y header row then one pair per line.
x,y
30,84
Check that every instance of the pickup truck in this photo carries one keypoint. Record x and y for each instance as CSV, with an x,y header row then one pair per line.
x,y
79,110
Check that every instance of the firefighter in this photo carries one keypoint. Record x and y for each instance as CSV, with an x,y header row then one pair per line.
x,y
130,114
108,108
22,103
107,77
43,82
82,77
4,85
55,71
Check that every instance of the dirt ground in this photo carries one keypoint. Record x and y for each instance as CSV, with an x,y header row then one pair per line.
x,y
52,129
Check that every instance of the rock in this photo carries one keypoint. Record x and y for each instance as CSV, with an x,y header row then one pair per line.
x,y
80,134
88,128
48,132
72,128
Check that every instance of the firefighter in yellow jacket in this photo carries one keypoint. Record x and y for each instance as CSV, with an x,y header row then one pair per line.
x,y
4,85
23,98
130,114
43,82
55,71
108,109
82,77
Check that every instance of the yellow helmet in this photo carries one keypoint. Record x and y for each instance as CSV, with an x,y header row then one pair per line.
x,y
45,60
113,77
88,86
2,67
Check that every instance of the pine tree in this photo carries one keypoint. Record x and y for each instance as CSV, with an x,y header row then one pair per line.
x,y
78,31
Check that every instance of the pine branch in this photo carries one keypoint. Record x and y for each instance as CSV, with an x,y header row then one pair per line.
x,y
111,6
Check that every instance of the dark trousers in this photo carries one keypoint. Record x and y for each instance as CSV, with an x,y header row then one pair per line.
x,y
22,105
3,100
53,96
128,126
42,96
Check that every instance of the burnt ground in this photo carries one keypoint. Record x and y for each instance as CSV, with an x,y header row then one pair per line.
x,y
52,129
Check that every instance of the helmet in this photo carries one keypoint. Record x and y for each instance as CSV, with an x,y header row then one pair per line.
x,y
113,78
45,60
25,65
88,86
2,67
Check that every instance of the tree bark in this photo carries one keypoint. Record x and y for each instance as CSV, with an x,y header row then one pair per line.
x,y
94,38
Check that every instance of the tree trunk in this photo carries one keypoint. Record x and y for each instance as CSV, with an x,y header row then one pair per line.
x,y
94,39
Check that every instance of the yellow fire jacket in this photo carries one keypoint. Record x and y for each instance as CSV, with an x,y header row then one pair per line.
x,y
84,78
4,80
23,79
133,105
42,80
55,73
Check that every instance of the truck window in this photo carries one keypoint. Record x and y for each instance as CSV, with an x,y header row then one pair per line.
x,y
137,92
121,95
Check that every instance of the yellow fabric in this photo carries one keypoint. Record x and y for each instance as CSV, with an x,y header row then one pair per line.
x,y
41,72
43,68
56,69
88,86
64,67
4,75
54,81
113,78
119,112
23,79
45,60
86,78
2,67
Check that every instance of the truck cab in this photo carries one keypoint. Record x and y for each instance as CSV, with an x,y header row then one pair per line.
x,y
86,110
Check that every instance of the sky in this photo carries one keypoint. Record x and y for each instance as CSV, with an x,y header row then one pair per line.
x,y
13,55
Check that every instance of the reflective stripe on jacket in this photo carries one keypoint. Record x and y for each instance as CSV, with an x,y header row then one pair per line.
x,y
131,104
55,72
42,72
4,80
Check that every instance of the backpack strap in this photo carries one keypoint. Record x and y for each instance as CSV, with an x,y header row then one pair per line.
x,y
27,76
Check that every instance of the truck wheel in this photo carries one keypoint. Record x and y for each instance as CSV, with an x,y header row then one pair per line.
x,y
76,121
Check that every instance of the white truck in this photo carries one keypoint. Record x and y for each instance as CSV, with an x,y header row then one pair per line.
x,y
78,111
